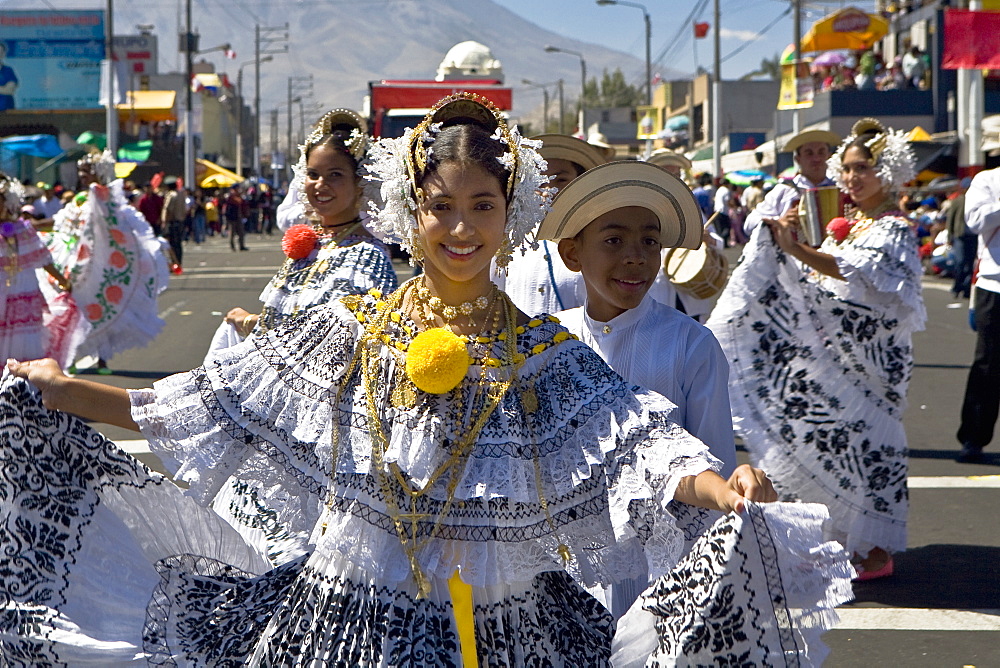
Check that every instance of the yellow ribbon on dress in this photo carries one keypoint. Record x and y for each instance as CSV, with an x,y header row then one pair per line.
x,y
461,603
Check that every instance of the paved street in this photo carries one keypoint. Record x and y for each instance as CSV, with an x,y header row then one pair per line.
x,y
942,608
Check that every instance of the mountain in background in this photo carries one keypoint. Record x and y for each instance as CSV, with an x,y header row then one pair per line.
x,y
345,45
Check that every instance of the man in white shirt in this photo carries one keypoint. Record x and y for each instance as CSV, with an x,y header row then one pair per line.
x,y
721,200
811,149
48,204
982,390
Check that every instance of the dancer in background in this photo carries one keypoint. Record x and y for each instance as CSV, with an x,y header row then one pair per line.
x,y
115,264
23,310
819,345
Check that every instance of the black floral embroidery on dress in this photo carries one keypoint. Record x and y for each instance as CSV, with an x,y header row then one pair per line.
x,y
53,469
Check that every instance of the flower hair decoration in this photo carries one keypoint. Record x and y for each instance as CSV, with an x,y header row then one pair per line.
x,y
102,163
344,123
13,195
395,164
892,155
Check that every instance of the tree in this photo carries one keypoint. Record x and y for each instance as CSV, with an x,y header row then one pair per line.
x,y
769,67
614,91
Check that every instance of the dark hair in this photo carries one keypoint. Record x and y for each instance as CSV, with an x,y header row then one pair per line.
x,y
467,144
336,141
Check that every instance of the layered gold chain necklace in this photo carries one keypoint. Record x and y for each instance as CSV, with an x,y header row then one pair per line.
x,y
404,499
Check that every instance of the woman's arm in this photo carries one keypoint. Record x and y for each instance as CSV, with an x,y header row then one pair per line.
x,y
86,399
709,490
57,275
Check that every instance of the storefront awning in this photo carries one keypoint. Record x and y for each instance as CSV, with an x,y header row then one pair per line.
x,y
210,175
151,106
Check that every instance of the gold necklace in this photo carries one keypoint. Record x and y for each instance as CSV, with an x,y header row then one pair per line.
x,y
392,481
428,305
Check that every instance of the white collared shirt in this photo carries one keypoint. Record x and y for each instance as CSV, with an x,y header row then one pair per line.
x,y
659,348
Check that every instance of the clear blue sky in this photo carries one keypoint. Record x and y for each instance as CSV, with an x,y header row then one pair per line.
x,y
622,28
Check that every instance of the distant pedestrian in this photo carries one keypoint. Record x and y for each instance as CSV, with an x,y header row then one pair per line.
x,y
233,211
151,204
173,216
963,243
982,390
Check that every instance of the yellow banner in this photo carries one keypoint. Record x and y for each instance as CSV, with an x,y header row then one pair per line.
x,y
796,90
650,122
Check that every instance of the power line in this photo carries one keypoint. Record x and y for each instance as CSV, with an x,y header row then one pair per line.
x,y
759,34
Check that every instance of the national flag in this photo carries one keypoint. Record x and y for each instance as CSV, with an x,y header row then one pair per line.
x,y
230,54
701,30
971,40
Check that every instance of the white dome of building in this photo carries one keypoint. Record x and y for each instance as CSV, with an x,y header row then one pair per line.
x,y
469,60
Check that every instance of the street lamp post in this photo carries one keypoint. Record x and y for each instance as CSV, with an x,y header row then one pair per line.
x,y
583,82
649,65
649,37
545,102
240,127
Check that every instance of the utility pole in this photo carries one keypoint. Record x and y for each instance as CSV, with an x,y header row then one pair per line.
x,y
297,86
716,99
797,28
267,41
111,111
562,113
274,146
189,49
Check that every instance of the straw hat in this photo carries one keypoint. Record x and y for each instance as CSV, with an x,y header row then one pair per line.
x,y
663,157
599,140
620,184
810,136
566,147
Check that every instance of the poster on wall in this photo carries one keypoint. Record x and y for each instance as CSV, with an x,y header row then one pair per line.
x,y
50,59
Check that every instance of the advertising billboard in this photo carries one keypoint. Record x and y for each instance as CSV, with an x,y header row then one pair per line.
x,y
50,59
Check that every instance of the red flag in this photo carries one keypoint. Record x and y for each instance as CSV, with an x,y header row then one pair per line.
x,y
701,30
971,40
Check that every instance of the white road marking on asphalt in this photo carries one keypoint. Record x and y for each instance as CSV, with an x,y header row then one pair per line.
x,y
955,481
917,619
170,309
943,287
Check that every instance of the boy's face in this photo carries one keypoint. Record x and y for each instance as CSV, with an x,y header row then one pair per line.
x,y
619,255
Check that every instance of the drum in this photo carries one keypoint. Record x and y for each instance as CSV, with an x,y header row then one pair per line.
x,y
817,207
699,273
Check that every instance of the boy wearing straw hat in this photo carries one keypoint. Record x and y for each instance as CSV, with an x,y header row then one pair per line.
x,y
611,224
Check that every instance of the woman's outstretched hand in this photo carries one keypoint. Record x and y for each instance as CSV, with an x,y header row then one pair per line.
x,y
746,484
92,401
45,374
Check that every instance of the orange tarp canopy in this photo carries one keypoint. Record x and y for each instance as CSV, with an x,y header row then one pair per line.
x,y
849,28
151,106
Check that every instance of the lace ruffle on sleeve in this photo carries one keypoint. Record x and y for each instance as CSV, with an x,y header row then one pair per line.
x,y
262,405
885,261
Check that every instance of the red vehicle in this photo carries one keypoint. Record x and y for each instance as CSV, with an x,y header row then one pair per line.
x,y
394,105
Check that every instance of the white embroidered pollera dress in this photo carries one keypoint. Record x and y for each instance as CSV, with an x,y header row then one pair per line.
x,y
109,563
117,269
819,372
22,306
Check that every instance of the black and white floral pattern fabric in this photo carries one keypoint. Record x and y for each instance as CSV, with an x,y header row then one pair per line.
x,y
820,368
755,590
